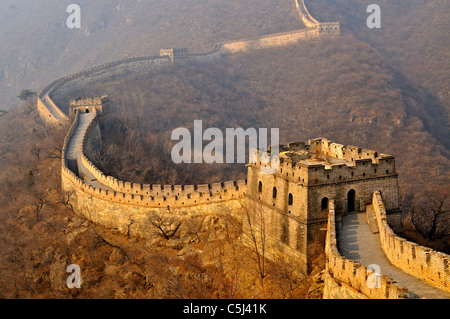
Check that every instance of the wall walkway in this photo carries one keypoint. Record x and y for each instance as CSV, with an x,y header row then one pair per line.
x,y
357,242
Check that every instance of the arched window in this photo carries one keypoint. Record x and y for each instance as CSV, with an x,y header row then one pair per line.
x,y
324,203
290,199
274,193
260,187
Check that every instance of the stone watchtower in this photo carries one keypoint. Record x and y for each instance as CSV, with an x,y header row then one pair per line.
x,y
295,199
175,54
329,29
87,105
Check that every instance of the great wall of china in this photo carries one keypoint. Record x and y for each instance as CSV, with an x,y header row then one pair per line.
x,y
317,185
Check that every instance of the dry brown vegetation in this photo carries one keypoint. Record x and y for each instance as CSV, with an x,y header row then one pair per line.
x,y
40,236
39,48
385,90
339,89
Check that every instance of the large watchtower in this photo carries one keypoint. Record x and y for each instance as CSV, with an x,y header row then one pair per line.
x,y
295,198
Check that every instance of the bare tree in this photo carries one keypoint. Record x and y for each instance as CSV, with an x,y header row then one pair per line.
x,y
253,229
430,215
287,279
36,151
226,264
193,226
55,142
164,224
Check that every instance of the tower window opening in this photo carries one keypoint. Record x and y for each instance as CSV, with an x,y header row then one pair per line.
x,y
324,203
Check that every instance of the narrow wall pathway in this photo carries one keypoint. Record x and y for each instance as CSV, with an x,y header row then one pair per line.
x,y
357,242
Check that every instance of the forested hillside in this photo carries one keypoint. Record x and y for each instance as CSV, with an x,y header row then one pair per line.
x,y
343,92
37,46
414,44
384,89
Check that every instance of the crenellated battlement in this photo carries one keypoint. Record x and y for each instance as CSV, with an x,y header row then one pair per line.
x,y
155,196
170,201
156,190
322,162
175,53
97,101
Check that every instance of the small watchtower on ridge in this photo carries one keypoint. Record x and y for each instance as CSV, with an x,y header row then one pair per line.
x,y
175,54
87,105
329,29
295,199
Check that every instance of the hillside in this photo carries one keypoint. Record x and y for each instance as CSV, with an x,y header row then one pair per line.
x,y
345,92
384,89
415,49
38,47
40,235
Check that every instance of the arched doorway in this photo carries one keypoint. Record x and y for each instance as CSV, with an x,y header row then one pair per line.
x,y
351,201
87,110
324,203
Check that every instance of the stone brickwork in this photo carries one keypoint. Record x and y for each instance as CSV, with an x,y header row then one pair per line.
x,y
270,41
130,214
175,54
309,176
314,30
52,114
86,105
45,113
329,29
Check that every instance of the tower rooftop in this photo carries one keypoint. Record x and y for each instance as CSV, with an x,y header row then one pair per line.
x,y
322,152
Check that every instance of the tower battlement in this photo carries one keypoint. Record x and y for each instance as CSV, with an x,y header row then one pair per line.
x,y
87,105
329,28
319,161
175,53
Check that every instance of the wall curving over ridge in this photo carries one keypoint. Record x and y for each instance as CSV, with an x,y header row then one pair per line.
x,y
79,174
306,17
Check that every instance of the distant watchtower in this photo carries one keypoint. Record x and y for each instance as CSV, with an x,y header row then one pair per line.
x,y
175,54
87,105
329,29
295,199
